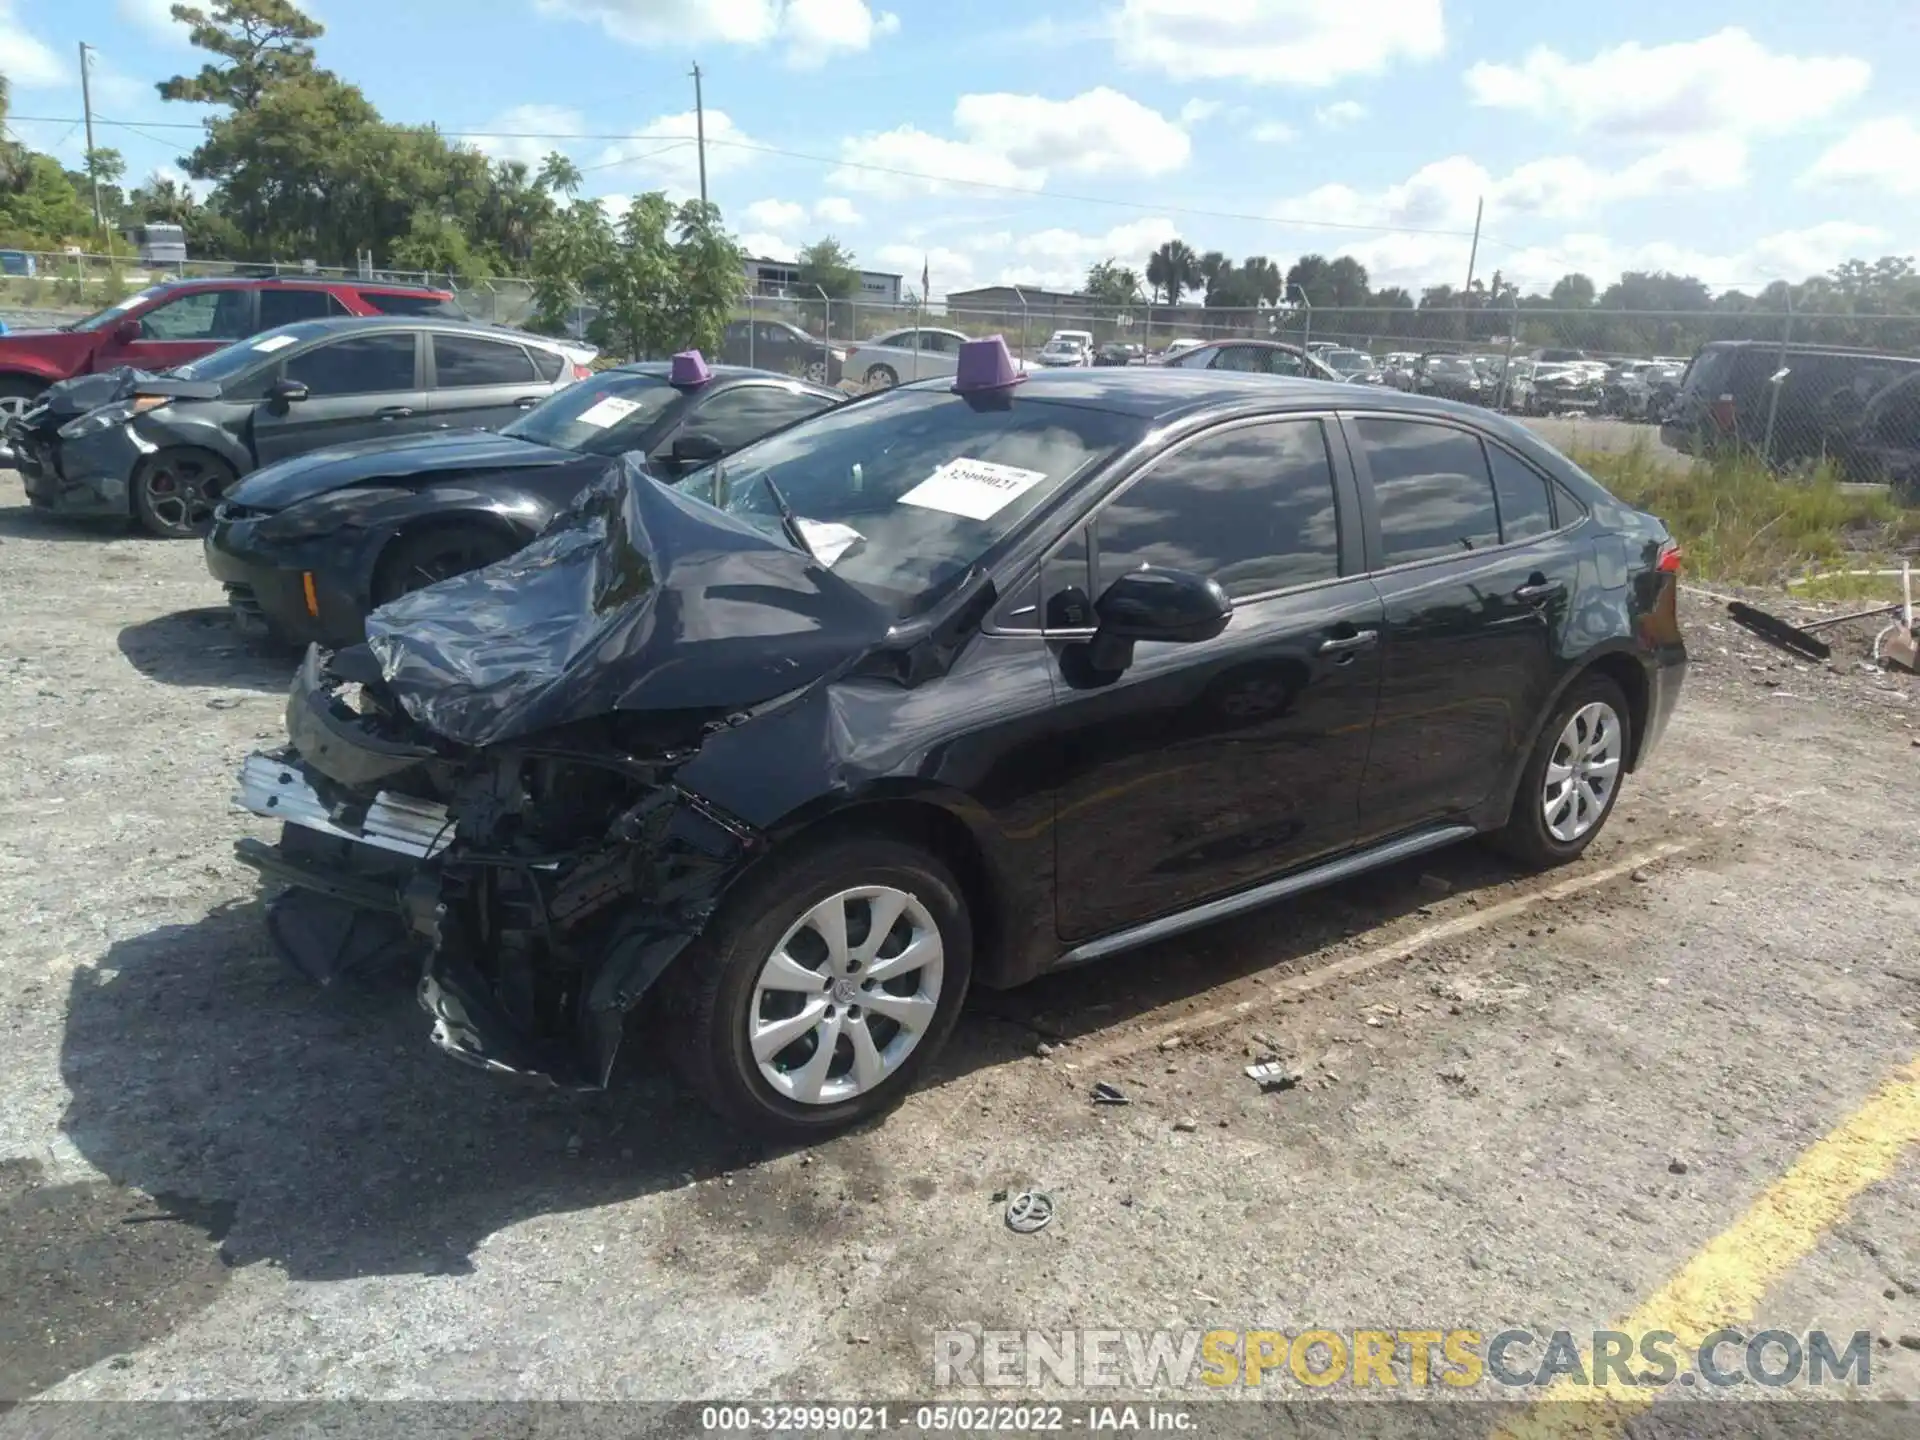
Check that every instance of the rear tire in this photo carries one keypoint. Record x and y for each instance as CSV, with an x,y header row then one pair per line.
x,y
749,983
174,492
882,377
17,396
1573,777
439,552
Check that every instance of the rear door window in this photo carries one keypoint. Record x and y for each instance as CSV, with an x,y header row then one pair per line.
x,y
1251,507
462,361
1432,488
548,362
284,307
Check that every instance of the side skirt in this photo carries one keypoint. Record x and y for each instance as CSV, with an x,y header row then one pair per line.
x,y
1326,873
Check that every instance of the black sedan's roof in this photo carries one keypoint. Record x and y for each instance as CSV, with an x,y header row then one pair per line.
x,y
1156,393
660,369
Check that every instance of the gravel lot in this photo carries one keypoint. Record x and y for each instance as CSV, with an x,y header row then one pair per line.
x,y
1526,1100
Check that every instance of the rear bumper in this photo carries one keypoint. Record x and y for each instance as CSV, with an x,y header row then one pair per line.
x,y
1665,679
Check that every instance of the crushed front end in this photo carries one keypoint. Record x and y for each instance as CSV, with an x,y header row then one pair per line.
x,y
540,886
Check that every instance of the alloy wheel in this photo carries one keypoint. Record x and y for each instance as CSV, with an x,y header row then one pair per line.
x,y
846,996
881,377
12,405
817,371
1582,772
180,494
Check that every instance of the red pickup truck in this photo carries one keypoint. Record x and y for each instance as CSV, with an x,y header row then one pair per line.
x,y
170,324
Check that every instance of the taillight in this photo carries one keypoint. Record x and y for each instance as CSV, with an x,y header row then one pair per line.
x,y
582,372
1722,412
1669,561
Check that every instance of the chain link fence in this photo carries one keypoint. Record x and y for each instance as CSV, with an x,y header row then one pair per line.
x,y
52,288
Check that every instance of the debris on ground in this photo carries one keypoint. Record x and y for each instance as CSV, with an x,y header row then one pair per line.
x,y
1186,1125
1105,1094
1676,1166
1029,1211
1172,1042
1274,1075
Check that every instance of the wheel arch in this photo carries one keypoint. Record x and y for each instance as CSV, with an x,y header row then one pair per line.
x,y
1618,662
236,460
476,518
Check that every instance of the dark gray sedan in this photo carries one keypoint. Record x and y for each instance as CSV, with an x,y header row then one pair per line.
x,y
161,449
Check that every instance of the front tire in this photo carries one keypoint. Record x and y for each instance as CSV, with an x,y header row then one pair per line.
x,y
17,396
1572,778
882,377
799,1015
175,491
426,557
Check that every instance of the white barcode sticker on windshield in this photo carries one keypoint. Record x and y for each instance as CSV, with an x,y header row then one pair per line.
x,y
609,410
276,342
977,489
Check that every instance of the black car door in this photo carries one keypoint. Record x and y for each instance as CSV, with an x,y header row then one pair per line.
x,y
1476,581
481,383
359,387
1208,766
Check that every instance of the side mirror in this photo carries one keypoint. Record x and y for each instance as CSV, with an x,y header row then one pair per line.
x,y
696,449
285,392
1175,606
126,332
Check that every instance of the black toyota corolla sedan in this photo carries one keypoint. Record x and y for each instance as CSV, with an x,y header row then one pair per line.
x,y
306,548
958,684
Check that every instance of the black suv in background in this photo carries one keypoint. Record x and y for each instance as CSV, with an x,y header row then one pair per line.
x,y
1829,404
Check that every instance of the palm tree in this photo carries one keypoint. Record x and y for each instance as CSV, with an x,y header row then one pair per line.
x,y
1173,268
1263,280
1212,266
559,174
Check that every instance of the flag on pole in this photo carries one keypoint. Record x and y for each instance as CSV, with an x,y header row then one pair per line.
x,y
923,280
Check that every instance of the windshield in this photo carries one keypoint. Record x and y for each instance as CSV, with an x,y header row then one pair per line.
x,y
230,360
116,310
1451,364
901,493
606,415
1347,362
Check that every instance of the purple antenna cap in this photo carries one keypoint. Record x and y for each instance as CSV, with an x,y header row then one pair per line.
x,y
689,368
985,365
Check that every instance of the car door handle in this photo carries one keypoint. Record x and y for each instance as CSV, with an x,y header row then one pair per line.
x,y
1540,590
527,402
394,412
1345,644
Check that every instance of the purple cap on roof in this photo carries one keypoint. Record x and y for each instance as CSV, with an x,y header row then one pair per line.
x,y
689,368
985,365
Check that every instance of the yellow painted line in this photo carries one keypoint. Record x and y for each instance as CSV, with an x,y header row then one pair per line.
x,y
1723,1284
1301,984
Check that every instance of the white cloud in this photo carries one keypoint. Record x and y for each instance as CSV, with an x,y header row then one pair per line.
x,y
910,149
1339,113
1441,197
1879,155
1100,131
1273,132
155,17
1726,82
947,268
1306,43
765,246
810,30
775,214
835,210
512,133
1058,259
26,62
1017,141
1196,112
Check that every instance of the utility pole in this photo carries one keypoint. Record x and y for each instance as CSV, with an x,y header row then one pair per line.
x,y
1479,206
700,130
86,109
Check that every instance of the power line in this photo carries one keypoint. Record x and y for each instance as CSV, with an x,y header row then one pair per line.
x,y
1027,191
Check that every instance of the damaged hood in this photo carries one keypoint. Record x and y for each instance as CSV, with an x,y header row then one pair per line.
x,y
89,392
338,467
637,598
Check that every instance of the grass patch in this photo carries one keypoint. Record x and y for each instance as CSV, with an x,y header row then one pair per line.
x,y
1739,522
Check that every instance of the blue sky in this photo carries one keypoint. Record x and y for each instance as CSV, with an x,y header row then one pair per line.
x,y
1024,139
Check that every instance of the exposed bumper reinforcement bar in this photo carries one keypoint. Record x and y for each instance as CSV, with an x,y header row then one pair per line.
x,y
276,790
